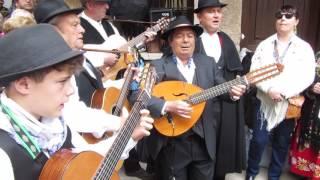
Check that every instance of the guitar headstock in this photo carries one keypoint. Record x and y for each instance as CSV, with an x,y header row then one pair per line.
x,y
264,73
162,23
148,78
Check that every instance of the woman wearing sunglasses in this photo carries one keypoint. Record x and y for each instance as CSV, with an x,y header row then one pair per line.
x,y
271,123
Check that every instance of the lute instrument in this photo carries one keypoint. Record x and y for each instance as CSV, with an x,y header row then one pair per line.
x,y
176,125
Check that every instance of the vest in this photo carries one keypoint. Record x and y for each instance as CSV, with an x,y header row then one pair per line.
x,y
24,167
91,35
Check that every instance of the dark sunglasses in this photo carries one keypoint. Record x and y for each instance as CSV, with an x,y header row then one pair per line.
x,y
279,15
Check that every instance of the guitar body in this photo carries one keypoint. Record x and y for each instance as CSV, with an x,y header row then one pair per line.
x,y
177,90
65,165
106,99
111,72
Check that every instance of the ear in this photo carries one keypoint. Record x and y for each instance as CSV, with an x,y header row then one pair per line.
x,y
23,85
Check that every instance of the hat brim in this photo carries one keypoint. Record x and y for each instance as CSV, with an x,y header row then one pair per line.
x,y
60,12
213,5
6,79
197,29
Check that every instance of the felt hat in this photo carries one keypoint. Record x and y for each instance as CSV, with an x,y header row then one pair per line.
x,y
31,48
181,21
48,9
208,3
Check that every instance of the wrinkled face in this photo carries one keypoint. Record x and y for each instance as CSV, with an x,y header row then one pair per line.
x,y
25,4
182,42
210,18
50,95
286,22
71,29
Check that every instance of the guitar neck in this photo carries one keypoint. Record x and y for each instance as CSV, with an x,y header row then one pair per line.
x,y
112,157
215,91
123,93
140,38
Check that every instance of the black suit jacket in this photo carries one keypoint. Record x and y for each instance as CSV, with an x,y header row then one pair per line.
x,y
207,76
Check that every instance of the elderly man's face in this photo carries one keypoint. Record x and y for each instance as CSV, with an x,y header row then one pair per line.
x,y
71,29
182,42
210,18
25,4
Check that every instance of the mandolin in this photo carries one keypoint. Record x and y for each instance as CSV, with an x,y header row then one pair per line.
x,y
194,95
67,165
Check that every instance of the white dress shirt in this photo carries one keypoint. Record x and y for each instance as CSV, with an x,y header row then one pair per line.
x,y
211,44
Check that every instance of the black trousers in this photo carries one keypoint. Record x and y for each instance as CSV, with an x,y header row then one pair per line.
x,y
185,158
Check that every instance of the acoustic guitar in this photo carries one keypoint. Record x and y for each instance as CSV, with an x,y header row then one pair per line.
x,y
125,49
66,165
175,125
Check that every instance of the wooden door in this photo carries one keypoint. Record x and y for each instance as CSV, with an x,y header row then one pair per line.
x,y
258,20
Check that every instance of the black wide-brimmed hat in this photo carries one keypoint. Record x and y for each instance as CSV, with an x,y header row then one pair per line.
x,y
181,21
28,49
208,3
48,9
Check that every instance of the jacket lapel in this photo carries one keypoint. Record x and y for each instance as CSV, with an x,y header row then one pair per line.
x,y
171,70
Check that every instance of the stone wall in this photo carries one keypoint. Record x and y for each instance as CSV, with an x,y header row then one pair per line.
x,y
231,20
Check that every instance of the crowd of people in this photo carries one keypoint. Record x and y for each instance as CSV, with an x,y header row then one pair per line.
x,y
47,83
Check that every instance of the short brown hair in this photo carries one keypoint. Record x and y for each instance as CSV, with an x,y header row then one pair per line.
x,y
72,66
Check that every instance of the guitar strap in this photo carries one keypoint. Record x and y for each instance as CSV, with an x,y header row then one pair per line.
x,y
276,55
24,136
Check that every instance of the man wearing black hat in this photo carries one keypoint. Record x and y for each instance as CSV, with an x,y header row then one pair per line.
x,y
32,126
65,18
192,154
97,30
33,98
63,15
217,44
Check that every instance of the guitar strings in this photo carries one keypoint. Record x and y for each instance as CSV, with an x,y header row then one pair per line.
x,y
107,167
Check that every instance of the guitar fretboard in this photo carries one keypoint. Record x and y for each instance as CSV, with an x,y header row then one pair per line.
x,y
140,38
123,93
112,157
215,91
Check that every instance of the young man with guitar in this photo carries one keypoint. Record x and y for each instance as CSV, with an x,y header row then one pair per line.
x,y
33,127
86,120
191,155
79,116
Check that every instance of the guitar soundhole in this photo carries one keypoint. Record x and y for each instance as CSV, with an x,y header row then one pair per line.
x,y
180,94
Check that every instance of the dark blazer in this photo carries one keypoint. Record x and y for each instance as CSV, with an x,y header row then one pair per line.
x,y
207,76
231,155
